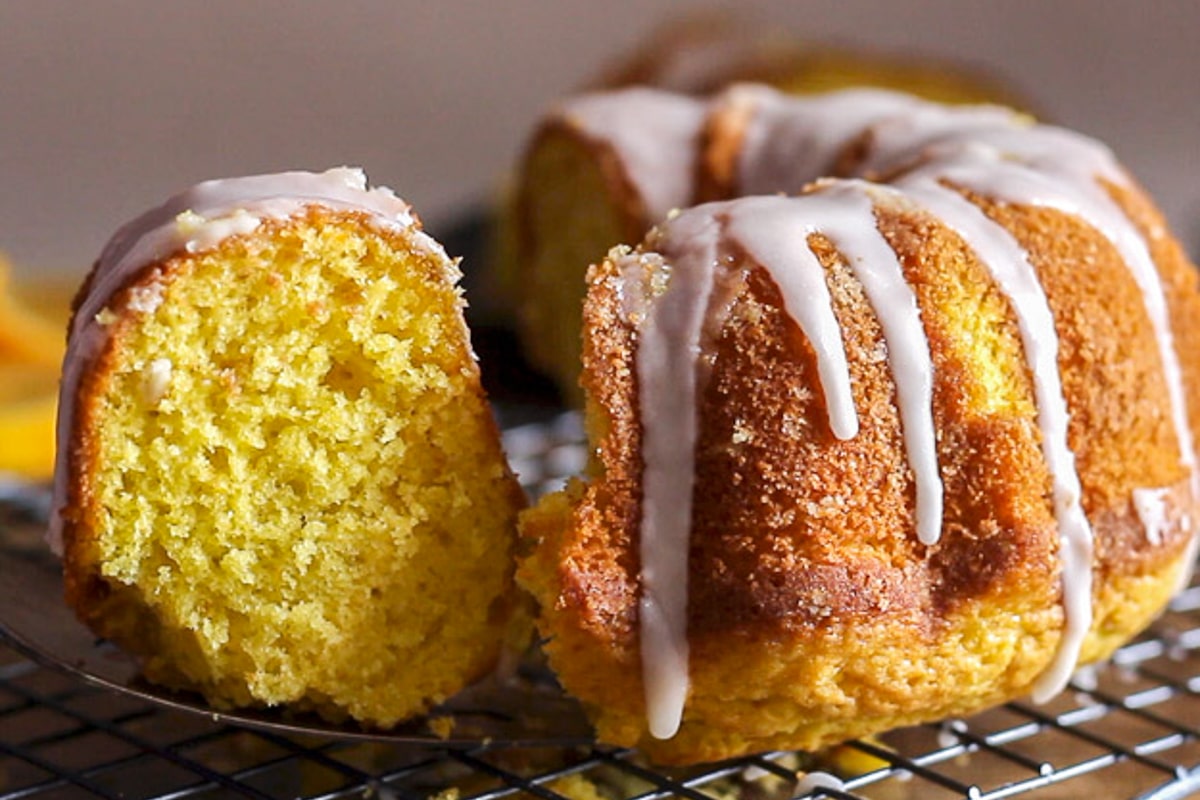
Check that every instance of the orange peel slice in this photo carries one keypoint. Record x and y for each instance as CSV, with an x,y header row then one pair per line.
x,y
31,350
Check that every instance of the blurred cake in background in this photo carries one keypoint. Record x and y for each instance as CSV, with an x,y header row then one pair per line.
x,y
702,53
536,257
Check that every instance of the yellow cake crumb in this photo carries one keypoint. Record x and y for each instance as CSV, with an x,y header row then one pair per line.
x,y
298,491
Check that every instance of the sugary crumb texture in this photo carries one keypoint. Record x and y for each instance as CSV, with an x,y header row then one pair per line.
x,y
292,490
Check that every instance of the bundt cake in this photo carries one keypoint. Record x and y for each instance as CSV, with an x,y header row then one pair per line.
x,y
868,449
605,165
279,481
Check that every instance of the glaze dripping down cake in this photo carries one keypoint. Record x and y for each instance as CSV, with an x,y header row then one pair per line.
x,y
279,480
898,425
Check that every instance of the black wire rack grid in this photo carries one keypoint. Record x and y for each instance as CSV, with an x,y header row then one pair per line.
x,y
1128,729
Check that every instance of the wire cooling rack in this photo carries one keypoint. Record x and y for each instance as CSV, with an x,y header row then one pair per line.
x,y
1128,729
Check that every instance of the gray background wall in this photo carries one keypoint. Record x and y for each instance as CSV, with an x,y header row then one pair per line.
x,y
107,107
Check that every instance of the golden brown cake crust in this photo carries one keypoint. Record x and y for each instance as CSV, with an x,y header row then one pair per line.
x,y
803,558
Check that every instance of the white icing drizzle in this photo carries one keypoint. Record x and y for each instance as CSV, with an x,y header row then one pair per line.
x,y
993,151
773,231
790,142
193,221
1009,265
1151,508
1001,155
901,128
775,237
668,353
654,135
1050,167
1055,168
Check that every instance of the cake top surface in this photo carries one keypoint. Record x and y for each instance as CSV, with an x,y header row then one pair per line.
x,y
151,236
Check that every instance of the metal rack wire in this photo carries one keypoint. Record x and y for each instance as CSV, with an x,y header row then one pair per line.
x,y
1129,729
